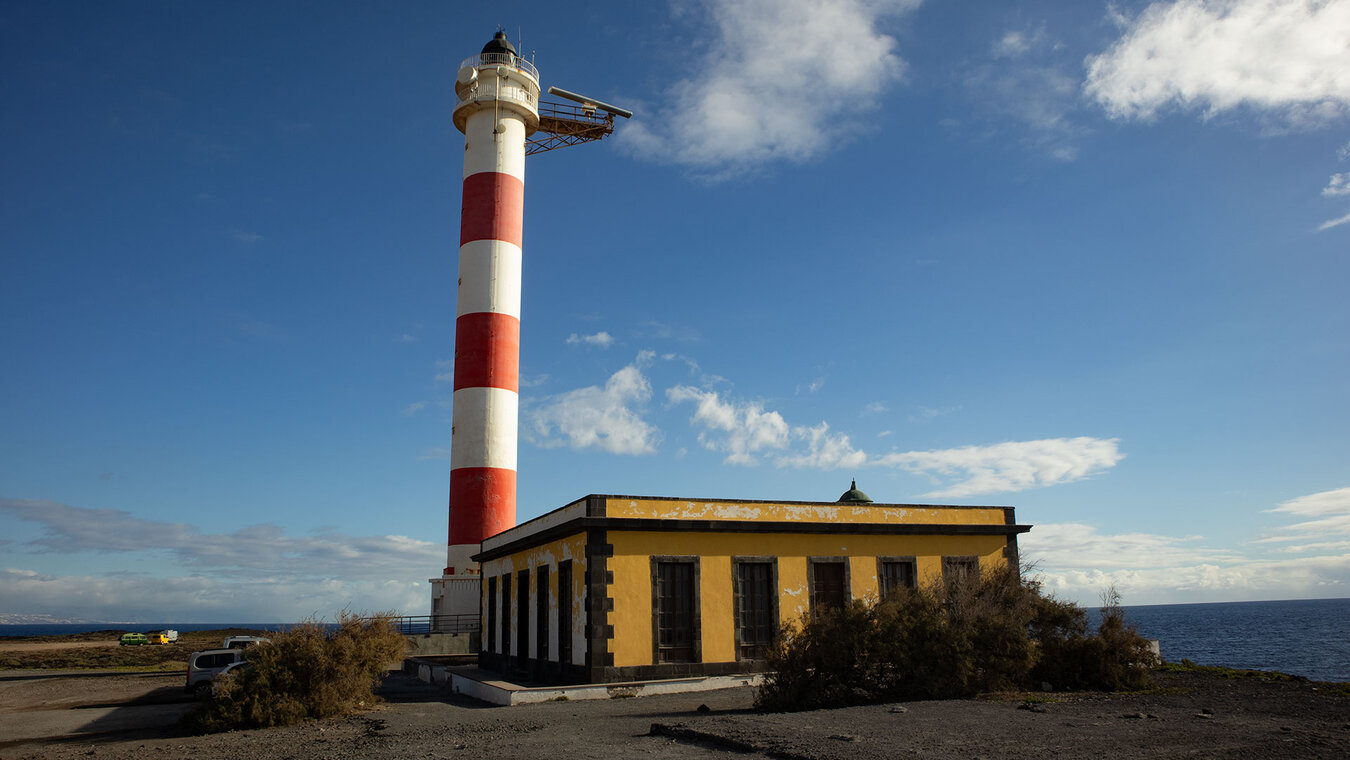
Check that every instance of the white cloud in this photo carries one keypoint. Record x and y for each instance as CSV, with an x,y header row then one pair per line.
x,y
740,430
779,79
1338,221
1016,43
825,450
405,338
875,407
142,598
608,418
245,237
744,430
413,408
1339,184
1286,57
1077,561
1329,512
1010,466
253,550
601,339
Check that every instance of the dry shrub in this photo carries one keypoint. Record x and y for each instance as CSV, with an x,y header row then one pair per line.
x,y
952,640
1115,658
310,671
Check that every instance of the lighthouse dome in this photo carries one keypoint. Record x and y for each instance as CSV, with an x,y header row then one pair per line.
x,y
499,44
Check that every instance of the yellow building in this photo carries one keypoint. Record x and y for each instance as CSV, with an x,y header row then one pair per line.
x,y
619,588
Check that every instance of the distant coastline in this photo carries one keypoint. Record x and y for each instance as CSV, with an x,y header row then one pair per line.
x,y
66,629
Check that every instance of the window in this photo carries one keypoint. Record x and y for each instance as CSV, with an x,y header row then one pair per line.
x,y
829,583
756,588
523,615
674,583
959,569
565,612
894,573
491,632
541,613
506,614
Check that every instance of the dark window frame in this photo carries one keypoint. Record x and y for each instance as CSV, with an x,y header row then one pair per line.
x,y
523,615
812,562
883,589
506,614
541,643
695,603
969,565
490,643
565,623
758,649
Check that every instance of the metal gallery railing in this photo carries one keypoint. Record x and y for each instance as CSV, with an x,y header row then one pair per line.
x,y
416,624
492,59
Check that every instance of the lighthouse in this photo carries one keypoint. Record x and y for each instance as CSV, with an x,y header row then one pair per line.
x,y
497,108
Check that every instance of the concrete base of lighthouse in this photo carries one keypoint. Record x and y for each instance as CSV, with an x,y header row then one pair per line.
x,y
456,595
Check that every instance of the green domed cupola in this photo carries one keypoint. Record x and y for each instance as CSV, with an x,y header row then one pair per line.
x,y
854,495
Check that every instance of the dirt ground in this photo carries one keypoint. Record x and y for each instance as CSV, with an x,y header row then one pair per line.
x,y
46,715
46,646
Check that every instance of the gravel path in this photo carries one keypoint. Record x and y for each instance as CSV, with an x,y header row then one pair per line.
x,y
1193,715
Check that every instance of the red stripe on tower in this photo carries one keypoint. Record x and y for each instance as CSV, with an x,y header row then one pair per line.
x,y
493,208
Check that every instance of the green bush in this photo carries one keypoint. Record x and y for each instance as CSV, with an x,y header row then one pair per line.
x,y
946,641
306,672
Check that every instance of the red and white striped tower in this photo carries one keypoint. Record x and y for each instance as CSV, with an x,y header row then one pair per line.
x,y
497,108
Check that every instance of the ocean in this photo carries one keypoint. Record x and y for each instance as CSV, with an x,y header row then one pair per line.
x,y
1305,637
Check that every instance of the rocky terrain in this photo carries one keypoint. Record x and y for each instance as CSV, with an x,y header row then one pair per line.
x,y
45,715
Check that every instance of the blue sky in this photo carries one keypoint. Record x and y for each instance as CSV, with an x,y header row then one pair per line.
x,y
1087,259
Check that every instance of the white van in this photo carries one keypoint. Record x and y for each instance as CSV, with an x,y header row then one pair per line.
x,y
206,665
244,642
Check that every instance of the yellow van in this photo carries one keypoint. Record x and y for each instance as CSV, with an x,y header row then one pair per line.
x,y
157,637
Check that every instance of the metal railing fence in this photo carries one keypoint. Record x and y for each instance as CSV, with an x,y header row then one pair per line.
x,y
413,624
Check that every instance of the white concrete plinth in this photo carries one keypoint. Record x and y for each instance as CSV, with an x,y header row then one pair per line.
x,y
481,684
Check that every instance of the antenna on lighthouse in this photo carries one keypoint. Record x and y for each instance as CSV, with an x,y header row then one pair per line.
x,y
563,124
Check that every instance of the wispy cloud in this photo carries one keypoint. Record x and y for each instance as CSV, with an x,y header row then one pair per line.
x,y
875,407
405,338
1281,57
445,370
1079,561
209,597
930,413
744,431
246,237
256,551
1338,221
608,418
775,82
1010,466
740,430
1029,80
1328,514
436,452
413,408
601,339
824,450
